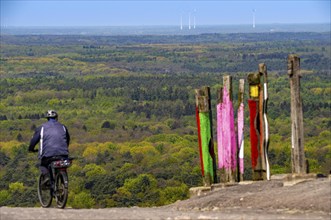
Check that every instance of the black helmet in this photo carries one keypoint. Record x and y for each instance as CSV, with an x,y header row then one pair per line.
x,y
51,114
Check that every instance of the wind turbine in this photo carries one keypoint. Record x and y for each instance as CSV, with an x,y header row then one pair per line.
x,y
254,10
181,22
194,22
194,18
189,21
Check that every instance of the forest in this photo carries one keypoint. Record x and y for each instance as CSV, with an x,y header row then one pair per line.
x,y
129,105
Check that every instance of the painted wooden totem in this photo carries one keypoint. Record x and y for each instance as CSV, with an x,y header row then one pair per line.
x,y
259,127
240,129
226,136
205,135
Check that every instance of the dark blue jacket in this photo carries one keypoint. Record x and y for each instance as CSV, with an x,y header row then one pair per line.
x,y
54,139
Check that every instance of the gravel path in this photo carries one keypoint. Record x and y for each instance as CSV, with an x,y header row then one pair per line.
x,y
148,213
310,199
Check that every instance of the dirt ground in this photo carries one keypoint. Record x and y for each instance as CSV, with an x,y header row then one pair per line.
x,y
275,199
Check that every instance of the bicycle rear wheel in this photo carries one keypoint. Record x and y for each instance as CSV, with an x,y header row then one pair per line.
x,y
44,193
61,193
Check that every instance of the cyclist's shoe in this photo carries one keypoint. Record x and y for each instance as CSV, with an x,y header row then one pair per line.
x,y
46,183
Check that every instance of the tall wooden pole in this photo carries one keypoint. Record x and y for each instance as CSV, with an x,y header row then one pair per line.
x,y
226,137
264,120
211,141
205,135
220,150
297,150
240,127
227,84
261,129
255,128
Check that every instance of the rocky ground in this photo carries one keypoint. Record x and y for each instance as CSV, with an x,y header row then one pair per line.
x,y
276,199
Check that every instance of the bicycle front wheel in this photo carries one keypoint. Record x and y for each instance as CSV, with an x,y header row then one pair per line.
x,y
61,193
44,193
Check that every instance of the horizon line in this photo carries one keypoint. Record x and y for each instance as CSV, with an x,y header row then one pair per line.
x,y
156,25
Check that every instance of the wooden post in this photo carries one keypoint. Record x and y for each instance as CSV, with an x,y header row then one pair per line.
x,y
205,135
264,120
219,128
241,90
227,145
297,150
211,146
231,172
240,126
260,127
255,135
227,83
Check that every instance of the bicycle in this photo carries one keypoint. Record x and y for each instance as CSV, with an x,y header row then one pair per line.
x,y
56,185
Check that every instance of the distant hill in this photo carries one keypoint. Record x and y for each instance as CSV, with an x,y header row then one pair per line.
x,y
164,30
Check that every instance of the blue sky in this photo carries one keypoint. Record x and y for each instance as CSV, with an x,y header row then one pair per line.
x,y
117,13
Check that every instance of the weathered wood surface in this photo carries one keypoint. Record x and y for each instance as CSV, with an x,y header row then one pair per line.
x,y
255,135
297,150
240,129
226,137
265,123
205,135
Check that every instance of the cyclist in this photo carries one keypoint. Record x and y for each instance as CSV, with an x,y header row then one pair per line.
x,y
54,140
